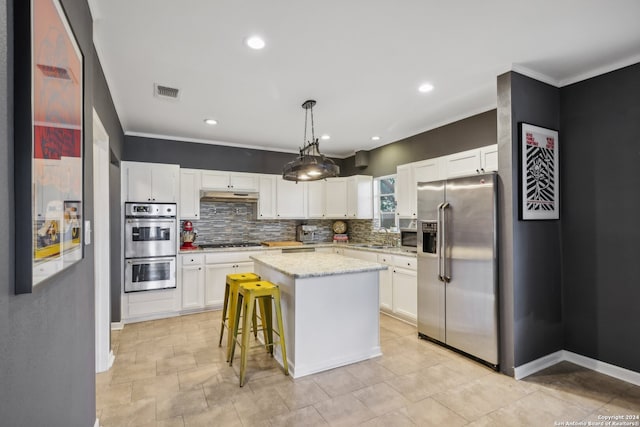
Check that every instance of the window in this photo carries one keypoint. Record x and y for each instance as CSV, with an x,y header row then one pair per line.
x,y
384,195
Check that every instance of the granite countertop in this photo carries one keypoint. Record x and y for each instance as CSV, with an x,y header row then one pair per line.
x,y
314,264
355,246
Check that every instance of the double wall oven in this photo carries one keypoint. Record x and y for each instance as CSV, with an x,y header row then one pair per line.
x,y
150,244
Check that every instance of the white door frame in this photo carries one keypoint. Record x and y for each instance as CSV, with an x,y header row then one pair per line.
x,y
104,355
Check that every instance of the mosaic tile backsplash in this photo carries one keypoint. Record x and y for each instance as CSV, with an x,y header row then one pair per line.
x,y
223,222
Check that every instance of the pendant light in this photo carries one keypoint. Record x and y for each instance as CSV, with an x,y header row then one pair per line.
x,y
311,165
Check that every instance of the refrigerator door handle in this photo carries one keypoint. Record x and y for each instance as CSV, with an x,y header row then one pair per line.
x,y
445,277
439,242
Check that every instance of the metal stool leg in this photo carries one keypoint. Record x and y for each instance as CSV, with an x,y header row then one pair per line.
x,y
224,314
248,306
281,330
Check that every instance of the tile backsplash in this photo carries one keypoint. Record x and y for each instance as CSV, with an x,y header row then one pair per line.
x,y
223,222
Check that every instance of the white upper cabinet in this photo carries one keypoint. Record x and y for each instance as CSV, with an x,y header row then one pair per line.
x,y
316,199
291,199
463,163
150,182
189,206
336,198
479,160
360,197
230,181
489,158
405,191
427,170
267,199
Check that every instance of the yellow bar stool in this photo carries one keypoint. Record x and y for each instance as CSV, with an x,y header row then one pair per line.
x,y
230,297
264,292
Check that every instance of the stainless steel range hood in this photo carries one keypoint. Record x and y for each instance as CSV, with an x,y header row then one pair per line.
x,y
228,196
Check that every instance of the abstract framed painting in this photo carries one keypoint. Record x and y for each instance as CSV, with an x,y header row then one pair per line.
x,y
48,145
539,167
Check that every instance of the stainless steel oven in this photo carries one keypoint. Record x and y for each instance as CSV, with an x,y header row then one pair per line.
x,y
145,274
150,246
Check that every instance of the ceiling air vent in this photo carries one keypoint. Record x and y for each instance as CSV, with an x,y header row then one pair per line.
x,y
165,92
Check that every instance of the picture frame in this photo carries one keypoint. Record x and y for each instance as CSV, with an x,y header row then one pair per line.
x,y
49,141
539,168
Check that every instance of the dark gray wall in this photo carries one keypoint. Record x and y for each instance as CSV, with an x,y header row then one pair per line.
x,y
530,258
46,338
600,146
538,328
205,156
103,104
466,134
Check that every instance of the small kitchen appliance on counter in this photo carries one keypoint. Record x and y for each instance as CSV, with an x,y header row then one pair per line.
x,y
306,233
188,236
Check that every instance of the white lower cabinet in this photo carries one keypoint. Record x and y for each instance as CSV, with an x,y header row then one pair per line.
x,y
203,277
386,283
405,293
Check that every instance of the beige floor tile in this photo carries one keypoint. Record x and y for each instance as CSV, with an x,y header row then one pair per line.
x,y
538,409
254,408
152,353
110,395
414,387
428,413
397,418
175,364
344,411
224,391
301,393
131,414
131,372
224,415
337,382
370,372
171,422
196,377
182,403
475,399
303,417
155,386
381,398
399,364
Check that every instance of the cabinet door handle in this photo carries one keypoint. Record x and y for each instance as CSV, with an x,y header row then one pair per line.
x,y
199,268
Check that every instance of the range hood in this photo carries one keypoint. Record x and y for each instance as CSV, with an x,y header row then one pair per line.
x,y
229,196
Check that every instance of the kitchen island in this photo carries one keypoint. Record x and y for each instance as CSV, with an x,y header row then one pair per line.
x,y
330,308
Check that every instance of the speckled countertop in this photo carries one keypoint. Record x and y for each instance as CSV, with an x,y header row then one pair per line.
x,y
314,264
356,246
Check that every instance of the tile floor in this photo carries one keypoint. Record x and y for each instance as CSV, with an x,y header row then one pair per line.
x,y
171,372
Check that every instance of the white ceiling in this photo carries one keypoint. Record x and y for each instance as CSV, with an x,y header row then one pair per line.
x,y
362,60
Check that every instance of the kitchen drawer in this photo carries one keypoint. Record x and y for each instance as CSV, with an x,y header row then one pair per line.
x,y
193,259
224,257
385,259
405,262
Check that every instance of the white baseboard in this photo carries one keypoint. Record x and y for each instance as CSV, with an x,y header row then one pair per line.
x,y
97,423
117,326
112,358
538,365
544,362
603,367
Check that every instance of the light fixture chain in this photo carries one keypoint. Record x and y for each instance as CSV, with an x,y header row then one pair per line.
x,y
313,135
304,140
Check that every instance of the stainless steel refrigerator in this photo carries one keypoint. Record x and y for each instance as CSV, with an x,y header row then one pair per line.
x,y
457,265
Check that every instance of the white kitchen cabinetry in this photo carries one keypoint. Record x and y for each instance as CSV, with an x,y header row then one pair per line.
x,y
189,206
336,198
386,283
192,277
489,158
405,288
427,170
267,199
230,181
405,191
150,182
216,276
316,199
360,197
291,199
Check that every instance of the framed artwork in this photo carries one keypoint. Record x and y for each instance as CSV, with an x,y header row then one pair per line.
x,y
540,185
48,145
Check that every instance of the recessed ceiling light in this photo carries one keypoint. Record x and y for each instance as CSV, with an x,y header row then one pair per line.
x,y
255,42
211,121
375,138
325,137
425,87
